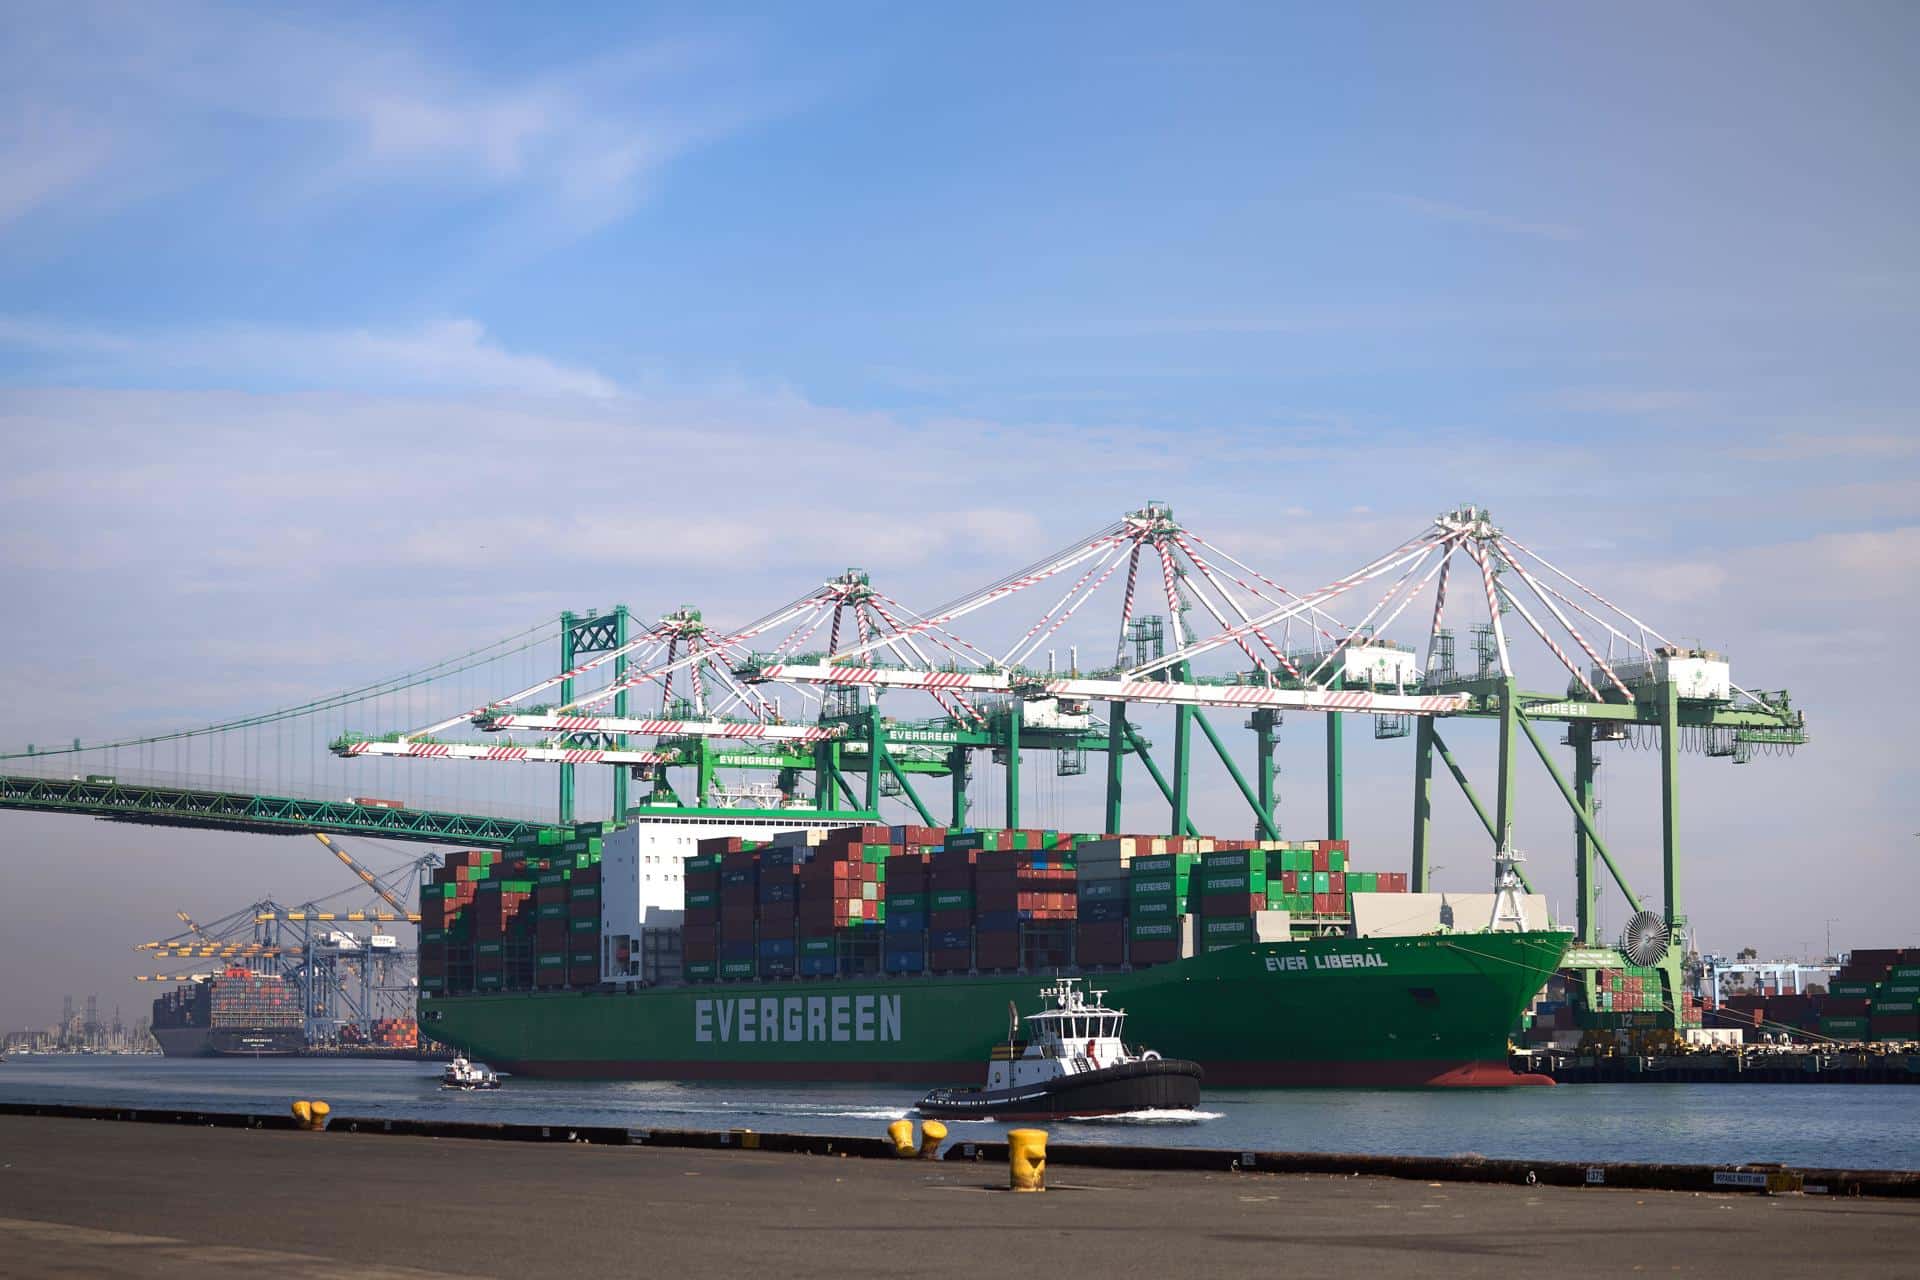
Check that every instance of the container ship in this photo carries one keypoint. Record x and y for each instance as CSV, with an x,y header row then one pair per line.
x,y
237,1013
664,950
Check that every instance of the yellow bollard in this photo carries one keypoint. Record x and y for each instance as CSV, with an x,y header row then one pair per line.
x,y
303,1114
932,1134
901,1132
320,1113
1027,1159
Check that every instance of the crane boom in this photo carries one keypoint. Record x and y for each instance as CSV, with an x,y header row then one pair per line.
x,y
1163,692
350,747
661,728
387,895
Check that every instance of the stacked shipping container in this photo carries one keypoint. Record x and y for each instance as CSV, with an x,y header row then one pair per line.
x,y
1875,996
809,903
963,900
819,903
525,919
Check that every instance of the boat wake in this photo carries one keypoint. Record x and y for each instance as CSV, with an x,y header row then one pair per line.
x,y
1149,1117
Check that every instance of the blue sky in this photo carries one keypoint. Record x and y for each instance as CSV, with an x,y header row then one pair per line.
x,y
687,303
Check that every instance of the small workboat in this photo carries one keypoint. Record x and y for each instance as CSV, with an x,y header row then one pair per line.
x,y
1072,1062
463,1074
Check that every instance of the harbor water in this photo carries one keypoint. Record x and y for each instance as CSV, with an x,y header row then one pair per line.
x,y
1845,1126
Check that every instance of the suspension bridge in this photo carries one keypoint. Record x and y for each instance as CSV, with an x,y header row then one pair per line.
x,y
781,717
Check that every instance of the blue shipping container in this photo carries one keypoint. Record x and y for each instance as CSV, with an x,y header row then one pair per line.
x,y
776,948
950,939
906,921
819,966
904,962
997,921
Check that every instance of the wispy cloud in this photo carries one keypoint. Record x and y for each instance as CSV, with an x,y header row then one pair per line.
x,y
1445,212
43,153
451,355
333,110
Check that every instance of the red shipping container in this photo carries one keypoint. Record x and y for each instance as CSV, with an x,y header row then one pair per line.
x,y
1322,859
1231,904
1325,904
1146,951
1004,955
1337,884
777,926
949,961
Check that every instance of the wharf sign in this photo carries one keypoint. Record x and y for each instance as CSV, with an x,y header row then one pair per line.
x,y
796,1019
1339,960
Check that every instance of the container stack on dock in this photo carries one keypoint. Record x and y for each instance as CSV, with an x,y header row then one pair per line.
x,y
1633,997
1875,996
1624,1000
524,919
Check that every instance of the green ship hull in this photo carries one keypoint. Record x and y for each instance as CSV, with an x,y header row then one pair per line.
x,y
1331,1012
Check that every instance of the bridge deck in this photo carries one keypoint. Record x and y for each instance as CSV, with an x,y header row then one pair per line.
x,y
159,805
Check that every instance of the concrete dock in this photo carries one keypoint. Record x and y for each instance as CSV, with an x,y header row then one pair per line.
x,y
80,1197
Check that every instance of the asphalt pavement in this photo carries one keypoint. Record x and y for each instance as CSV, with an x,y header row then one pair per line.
x,y
103,1198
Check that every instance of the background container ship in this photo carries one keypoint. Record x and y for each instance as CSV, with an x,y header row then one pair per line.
x,y
892,953
237,1013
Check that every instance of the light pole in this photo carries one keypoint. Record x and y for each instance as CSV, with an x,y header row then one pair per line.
x,y
1829,955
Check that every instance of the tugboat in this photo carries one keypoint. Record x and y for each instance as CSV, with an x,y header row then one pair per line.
x,y
1073,1063
462,1074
